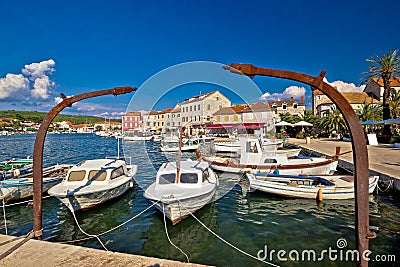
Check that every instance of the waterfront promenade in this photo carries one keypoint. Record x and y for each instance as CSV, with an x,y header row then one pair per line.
x,y
41,253
383,159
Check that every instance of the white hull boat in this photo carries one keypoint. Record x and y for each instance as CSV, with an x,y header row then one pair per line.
x,y
314,187
178,198
93,182
22,187
254,159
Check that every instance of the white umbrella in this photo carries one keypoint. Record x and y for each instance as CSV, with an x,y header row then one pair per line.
x,y
283,123
302,123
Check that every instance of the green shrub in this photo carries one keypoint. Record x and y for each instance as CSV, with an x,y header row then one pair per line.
x,y
395,139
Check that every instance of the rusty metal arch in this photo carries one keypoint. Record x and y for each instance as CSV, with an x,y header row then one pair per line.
x,y
39,144
359,145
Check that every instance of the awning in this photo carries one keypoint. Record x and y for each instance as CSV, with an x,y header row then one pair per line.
x,y
247,125
220,126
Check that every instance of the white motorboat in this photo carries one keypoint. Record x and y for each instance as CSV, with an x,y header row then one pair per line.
x,y
316,187
138,136
234,146
188,145
182,189
22,186
254,158
92,182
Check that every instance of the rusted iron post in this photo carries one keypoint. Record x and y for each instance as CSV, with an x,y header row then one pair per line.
x,y
39,143
359,145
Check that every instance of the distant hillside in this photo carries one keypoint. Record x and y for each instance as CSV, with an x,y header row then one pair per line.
x,y
36,116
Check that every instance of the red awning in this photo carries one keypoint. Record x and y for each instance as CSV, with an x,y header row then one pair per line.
x,y
221,126
247,125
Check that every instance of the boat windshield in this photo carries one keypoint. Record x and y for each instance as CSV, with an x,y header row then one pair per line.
x,y
98,175
117,172
168,178
189,178
76,176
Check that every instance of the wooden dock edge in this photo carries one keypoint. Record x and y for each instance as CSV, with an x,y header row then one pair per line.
x,y
42,253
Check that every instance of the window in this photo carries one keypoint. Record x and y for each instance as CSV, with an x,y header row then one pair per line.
x,y
198,106
205,175
217,98
284,106
189,178
117,172
251,147
270,161
318,97
97,175
208,107
226,118
250,116
75,176
295,105
218,118
235,117
168,178
190,108
194,108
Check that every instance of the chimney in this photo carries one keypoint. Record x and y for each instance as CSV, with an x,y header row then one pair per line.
x,y
302,99
291,98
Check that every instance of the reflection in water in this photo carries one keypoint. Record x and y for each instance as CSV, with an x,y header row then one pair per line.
x,y
250,221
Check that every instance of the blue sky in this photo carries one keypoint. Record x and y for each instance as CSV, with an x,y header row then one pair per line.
x,y
71,47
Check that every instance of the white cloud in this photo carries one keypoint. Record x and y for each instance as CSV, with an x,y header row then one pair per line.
x,y
346,87
34,82
14,86
39,70
292,91
42,87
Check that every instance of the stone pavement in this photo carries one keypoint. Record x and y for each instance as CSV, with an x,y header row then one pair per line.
x,y
41,253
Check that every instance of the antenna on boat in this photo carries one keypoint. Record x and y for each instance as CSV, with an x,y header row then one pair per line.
x,y
178,167
117,147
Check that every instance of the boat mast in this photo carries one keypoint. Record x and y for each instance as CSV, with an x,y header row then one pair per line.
x,y
178,167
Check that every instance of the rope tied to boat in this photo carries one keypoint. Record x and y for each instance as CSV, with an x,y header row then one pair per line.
x,y
25,239
223,240
114,228
387,188
166,232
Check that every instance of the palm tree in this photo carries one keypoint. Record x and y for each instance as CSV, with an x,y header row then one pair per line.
x,y
395,104
334,121
367,110
385,67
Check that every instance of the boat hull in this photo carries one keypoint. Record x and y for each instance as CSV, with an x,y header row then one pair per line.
x,y
338,191
83,201
15,189
325,166
178,209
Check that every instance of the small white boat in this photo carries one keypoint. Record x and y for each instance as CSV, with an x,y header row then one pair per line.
x,y
178,197
22,187
315,187
253,158
138,136
92,182
234,146
188,145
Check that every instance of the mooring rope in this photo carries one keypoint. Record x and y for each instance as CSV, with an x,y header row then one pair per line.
x,y
166,232
77,223
112,229
4,217
387,188
223,240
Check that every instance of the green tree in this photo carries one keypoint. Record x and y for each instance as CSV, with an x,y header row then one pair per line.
x,y
334,121
395,104
286,117
366,111
386,67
